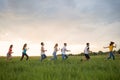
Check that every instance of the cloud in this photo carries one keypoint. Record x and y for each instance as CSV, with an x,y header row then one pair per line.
x,y
77,21
89,11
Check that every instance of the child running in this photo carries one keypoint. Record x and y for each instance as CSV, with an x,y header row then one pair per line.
x,y
9,56
55,52
111,46
43,56
24,52
86,52
63,50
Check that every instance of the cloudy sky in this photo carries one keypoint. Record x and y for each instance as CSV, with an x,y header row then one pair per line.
x,y
57,21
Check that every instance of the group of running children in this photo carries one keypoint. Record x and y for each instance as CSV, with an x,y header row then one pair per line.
x,y
63,51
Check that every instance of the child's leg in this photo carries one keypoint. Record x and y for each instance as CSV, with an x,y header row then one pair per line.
x,y
55,57
62,56
113,55
52,57
27,56
42,57
88,57
109,55
22,57
66,56
10,56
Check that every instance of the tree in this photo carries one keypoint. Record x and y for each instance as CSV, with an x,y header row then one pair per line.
x,y
118,51
100,52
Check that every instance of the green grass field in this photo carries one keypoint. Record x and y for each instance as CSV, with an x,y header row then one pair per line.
x,y
71,69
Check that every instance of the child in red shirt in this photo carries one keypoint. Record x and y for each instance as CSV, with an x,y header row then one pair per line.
x,y
9,56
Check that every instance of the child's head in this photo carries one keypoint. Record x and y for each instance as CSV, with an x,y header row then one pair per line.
x,y
42,44
87,44
24,46
65,44
111,43
11,46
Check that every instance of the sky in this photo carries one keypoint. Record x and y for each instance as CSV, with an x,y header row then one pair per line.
x,y
75,22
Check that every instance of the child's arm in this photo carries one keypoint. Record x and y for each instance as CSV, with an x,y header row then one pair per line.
x,y
105,47
68,50
43,49
115,46
27,48
58,49
61,50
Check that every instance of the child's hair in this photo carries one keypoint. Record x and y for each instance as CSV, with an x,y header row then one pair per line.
x,y
111,43
11,46
42,43
65,44
56,45
24,46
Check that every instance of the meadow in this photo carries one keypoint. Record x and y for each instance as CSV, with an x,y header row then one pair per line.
x,y
97,68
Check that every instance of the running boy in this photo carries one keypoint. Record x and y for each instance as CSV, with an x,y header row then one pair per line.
x,y
64,50
43,56
86,51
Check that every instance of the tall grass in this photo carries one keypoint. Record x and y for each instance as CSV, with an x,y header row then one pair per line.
x,y
71,69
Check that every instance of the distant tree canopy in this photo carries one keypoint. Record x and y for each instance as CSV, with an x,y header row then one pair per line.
x,y
100,52
118,51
